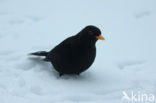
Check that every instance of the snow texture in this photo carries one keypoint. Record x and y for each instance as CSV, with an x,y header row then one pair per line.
x,y
125,61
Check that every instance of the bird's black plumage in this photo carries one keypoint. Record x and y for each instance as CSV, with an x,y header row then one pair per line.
x,y
76,53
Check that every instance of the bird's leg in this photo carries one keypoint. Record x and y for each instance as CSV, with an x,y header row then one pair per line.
x,y
60,74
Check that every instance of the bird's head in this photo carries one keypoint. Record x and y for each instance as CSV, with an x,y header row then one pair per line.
x,y
92,33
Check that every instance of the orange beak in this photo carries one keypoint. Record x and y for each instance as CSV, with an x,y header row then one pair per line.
x,y
100,37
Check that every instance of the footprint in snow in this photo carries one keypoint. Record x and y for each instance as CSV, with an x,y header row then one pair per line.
x,y
36,90
142,14
131,64
3,13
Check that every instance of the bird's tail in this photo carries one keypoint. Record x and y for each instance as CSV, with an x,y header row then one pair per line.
x,y
40,53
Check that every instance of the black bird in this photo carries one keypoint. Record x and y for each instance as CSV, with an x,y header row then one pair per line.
x,y
76,53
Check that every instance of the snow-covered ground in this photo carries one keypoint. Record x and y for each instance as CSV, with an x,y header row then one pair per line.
x,y
126,60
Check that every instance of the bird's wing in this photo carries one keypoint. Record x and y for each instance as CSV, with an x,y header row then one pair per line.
x,y
69,42
62,47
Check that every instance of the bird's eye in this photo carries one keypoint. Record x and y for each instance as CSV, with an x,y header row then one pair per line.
x,y
90,32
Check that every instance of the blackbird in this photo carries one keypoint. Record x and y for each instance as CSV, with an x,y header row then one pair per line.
x,y
76,53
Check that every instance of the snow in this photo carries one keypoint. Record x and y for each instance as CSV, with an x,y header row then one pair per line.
x,y
126,60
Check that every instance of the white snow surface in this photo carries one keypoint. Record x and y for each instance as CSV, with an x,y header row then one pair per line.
x,y
125,61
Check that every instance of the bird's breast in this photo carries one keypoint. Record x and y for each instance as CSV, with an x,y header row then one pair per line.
x,y
83,56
